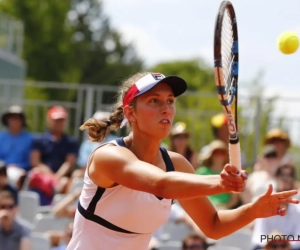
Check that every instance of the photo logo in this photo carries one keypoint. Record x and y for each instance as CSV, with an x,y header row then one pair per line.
x,y
279,237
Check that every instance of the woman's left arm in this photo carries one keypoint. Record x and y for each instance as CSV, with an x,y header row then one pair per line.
x,y
217,224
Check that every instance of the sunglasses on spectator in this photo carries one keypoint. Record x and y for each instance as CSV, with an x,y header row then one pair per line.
x,y
7,206
274,140
271,155
278,245
195,247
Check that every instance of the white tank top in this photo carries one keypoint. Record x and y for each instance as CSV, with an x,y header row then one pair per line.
x,y
118,218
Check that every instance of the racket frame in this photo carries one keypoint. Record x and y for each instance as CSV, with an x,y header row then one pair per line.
x,y
231,114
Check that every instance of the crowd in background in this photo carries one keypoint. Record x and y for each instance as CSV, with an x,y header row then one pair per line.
x,y
50,162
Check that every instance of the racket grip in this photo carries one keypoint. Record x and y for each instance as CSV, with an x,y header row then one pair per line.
x,y
235,155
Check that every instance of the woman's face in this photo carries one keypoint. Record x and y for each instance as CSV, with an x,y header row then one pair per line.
x,y
154,112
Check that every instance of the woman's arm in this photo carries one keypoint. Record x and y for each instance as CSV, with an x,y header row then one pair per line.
x,y
217,224
111,165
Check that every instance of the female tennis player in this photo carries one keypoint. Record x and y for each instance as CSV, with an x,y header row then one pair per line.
x,y
130,183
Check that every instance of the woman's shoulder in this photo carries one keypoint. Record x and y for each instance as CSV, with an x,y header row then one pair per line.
x,y
111,151
180,163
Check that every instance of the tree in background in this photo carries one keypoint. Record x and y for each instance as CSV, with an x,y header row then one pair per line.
x,y
71,41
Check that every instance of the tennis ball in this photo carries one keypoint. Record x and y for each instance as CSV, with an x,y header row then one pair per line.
x,y
288,42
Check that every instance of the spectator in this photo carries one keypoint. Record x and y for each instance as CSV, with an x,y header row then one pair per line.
x,y
194,241
220,132
260,178
13,236
280,140
66,238
180,143
274,244
87,146
219,127
4,184
288,224
212,162
15,141
68,205
177,215
53,156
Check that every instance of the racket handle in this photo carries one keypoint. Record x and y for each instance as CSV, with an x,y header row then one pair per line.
x,y
235,155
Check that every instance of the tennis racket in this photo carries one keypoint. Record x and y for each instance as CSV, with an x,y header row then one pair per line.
x,y
226,66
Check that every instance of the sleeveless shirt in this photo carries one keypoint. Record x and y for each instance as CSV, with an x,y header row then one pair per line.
x,y
118,218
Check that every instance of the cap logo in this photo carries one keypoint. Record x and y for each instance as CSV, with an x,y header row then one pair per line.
x,y
158,76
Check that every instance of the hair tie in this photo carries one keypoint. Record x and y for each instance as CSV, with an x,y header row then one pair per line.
x,y
108,123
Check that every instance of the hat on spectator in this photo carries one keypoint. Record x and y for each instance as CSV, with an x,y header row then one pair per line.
x,y
179,128
277,133
219,120
14,110
211,147
57,112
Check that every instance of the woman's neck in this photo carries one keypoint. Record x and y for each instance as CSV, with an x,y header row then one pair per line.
x,y
148,151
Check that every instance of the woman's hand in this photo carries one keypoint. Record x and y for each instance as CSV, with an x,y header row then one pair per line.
x,y
233,180
269,204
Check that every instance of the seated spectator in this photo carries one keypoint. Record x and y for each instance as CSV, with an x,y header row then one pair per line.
x,y
4,184
15,141
280,140
212,162
288,224
274,244
220,132
177,215
194,241
68,205
53,157
87,146
13,236
65,239
180,143
259,179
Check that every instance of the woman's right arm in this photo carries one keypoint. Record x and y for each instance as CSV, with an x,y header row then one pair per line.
x,y
113,164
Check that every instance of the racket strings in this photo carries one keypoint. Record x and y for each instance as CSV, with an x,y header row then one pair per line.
x,y
227,54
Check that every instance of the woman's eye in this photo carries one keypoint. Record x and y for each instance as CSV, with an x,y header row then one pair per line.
x,y
171,101
154,100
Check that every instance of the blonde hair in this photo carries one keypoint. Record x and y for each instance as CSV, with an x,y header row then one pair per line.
x,y
97,129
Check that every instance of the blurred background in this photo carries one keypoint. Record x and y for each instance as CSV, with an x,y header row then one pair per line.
x,y
75,53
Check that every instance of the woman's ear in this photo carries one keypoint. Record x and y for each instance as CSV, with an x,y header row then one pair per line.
x,y
128,113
